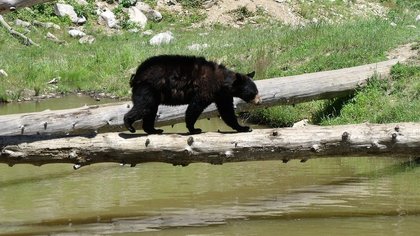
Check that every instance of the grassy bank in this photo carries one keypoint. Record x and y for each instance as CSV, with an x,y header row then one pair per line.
x,y
272,50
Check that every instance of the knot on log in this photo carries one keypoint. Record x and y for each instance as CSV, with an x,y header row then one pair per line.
x,y
22,129
345,137
190,141
147,142
394,137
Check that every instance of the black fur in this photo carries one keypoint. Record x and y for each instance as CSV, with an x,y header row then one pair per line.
x,y
177,80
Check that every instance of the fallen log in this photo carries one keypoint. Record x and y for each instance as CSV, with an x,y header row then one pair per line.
x,y
25,40
394,140
276,91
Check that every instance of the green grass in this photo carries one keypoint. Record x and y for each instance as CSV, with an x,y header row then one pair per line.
x,y
395,99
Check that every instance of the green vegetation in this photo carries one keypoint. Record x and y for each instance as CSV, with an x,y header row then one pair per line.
x,y
272,50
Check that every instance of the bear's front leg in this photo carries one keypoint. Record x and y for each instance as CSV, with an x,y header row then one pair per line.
x,y
194,110
227,112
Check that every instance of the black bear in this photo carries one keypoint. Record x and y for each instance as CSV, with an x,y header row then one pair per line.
x,y
177,80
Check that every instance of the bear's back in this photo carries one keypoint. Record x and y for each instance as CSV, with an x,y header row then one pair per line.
x,y
179,78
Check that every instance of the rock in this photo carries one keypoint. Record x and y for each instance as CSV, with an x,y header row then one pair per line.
x,y
418,18
109,18
3,73
82,2
197,47
46,25
133,30
170,5
162,38
209,4
137,16
301,123
393,24
22,23
89,39
76,33
53,38
53,81
148,32
149,12
62,10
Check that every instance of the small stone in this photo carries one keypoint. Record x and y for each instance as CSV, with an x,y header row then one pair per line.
x,y
3,73
148,32
197,47
53,81
418,18
393,24
76,33
109,18
22,23
89,39
301,123
162,38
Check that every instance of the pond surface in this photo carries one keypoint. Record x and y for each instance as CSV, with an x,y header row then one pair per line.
x,y
341,196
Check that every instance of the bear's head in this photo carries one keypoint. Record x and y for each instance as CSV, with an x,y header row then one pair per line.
x,y
243,86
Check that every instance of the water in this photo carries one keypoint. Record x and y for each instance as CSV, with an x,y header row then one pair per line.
x,y
335,196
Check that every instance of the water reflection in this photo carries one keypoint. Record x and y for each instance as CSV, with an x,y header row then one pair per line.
x,y
109,198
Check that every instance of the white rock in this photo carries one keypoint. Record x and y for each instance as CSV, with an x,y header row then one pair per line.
x,y
76,33
137,16
418,18
197,47
301,123
3,73
22,23
82,2
149,12
148,32
89,39
62,10
46,25
52,37
162,38
109,18
393,24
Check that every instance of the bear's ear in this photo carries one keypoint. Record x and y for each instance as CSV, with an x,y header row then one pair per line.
x,y
251,75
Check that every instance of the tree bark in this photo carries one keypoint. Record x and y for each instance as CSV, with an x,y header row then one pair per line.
x,y
276,91
394,140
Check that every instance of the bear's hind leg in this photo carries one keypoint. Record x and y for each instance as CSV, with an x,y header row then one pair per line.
x,y
194,110
149,121
144,103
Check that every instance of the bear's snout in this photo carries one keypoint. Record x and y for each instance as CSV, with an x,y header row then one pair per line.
x,y
257,100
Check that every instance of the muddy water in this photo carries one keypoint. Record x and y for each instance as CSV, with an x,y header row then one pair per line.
x,y
346,196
